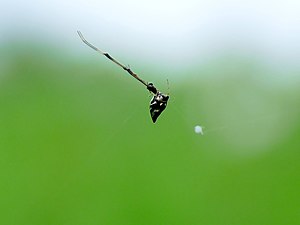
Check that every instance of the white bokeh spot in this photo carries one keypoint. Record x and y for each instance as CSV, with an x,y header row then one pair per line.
x,y
198,129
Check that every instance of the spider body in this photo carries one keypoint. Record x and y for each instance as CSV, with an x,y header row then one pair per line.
x,y
157,105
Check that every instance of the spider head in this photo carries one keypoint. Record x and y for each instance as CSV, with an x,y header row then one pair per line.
x,y
151,88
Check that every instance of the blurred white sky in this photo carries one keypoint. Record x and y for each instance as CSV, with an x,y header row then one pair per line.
x,y
176,31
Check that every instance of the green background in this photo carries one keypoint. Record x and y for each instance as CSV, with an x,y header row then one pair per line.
x,y
77,144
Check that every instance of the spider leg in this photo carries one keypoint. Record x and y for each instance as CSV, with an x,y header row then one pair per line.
x,y
107,55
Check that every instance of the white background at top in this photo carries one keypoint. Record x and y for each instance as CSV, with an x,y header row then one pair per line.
x,y
176,31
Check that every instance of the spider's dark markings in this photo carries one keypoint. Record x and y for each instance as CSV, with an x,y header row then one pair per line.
x,y
159,101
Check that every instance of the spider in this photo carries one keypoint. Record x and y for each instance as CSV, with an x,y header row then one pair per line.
x,y
159,100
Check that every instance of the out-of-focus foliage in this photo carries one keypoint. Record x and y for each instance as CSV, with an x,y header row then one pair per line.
x,y
77,145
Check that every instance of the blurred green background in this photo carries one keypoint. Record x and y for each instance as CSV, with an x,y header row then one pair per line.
x,y
77,144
